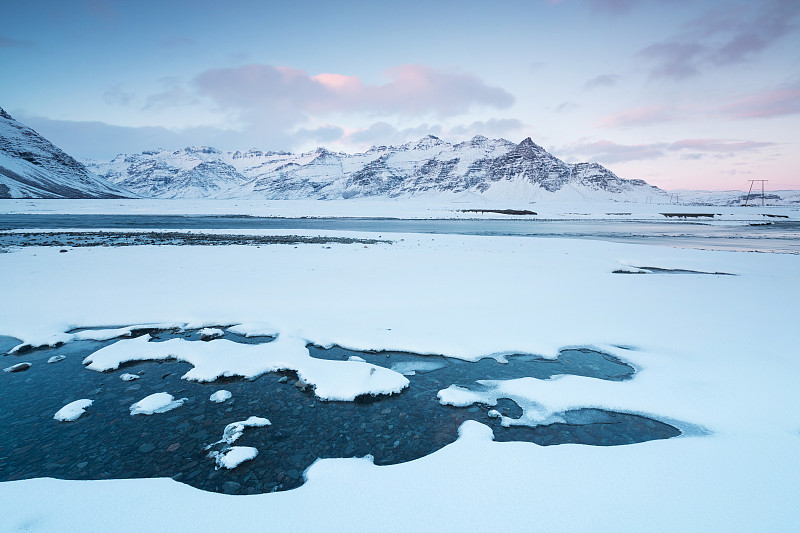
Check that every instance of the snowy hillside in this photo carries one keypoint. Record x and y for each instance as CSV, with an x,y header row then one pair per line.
x,y
732,198
32,167
492,169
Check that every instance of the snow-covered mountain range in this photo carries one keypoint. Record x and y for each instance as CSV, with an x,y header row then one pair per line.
x,y
32,167
492,169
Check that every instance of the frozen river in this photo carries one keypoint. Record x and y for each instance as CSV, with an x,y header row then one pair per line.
x,y
781,236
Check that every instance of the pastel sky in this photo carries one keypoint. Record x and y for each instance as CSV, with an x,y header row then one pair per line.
x,y
684,94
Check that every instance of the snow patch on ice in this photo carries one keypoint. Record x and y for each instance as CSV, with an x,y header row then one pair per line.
x,y
211,333
160,402
129,377
233,456
220,396
332,380
254,329
410,368
462,397
73,410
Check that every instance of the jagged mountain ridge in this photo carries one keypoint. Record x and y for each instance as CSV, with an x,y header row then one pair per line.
x,y
32,167
494,169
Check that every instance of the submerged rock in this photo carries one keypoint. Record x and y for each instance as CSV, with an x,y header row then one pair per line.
x,y
19,367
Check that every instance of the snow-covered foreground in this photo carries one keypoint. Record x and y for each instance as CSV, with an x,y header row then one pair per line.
x,y
713,352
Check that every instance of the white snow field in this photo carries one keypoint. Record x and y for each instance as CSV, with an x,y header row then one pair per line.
x,y
456,206
716,355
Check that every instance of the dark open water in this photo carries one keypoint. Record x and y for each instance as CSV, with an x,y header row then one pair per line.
x,y
107,442
773,235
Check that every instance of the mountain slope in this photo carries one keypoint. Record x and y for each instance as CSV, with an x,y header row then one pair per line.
x,y
496,169
32,167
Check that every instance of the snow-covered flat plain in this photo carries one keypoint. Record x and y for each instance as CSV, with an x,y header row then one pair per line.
x,y
464,206
716,354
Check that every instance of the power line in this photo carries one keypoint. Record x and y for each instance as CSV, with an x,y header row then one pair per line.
x,y
752,182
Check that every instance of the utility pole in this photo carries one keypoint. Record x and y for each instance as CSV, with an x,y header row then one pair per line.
x,y
752,182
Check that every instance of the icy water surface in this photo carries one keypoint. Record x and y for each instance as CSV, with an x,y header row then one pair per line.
x,y
107,442
773,236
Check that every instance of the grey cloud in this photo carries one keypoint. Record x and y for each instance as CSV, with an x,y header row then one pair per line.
x,y
566,106
612,6
177,42
725,36
494,127
173,96
98,140
116,95
603,80
324,134
676,60
383,133
605,151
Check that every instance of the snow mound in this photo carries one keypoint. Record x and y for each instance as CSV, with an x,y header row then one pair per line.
x,y
475,431
73,410
160,402
128,377
56,358
220,396
207,334
462,397
233,456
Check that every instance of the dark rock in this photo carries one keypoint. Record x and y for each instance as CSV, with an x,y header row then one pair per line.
x,y
19,367
231,487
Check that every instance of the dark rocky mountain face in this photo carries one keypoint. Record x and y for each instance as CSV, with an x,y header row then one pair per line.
x,y
32,167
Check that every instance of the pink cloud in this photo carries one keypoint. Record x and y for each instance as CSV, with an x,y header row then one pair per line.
x,y
775,102
771,103
717,145
605,151
640,116
292,93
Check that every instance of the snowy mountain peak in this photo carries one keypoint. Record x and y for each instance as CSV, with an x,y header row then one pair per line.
x,y
527,144
208,150
3,114
497,169
426,143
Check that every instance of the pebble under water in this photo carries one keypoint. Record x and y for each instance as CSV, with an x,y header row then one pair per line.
x,y
107,442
